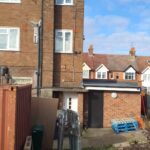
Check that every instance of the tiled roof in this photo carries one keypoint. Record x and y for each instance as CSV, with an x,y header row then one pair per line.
x,y
116,62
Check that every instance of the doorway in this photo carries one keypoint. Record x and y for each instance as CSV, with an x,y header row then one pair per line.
x,y
95,106
71,101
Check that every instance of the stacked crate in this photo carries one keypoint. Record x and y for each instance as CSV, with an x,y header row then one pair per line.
x,y
124,125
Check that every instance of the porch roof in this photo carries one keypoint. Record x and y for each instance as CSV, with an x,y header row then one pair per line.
x,y
110,85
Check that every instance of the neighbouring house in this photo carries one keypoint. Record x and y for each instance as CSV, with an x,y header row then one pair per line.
x,y
113,84
41,42
127,68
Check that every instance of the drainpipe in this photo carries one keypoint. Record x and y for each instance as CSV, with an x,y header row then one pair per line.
x,y
38,67
40,50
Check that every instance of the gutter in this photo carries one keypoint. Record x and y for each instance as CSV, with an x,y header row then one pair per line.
x,y
124,89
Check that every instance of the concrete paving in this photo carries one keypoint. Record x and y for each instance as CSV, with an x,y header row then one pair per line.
x,y
106,136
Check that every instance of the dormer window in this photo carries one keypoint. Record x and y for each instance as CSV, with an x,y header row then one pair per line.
x,y
86,71
86,74
145,77
130,74
101,72
101,75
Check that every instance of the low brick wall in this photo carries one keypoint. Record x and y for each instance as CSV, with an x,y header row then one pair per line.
x,y
126,104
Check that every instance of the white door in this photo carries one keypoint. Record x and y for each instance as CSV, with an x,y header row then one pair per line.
x,y
71,101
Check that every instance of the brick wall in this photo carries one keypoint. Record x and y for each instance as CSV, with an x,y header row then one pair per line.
x,y
68,67
80,107
67,70
125,105
24,62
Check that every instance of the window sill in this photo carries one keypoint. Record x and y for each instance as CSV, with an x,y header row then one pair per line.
x,y
63,52
10,2
64,4
6,50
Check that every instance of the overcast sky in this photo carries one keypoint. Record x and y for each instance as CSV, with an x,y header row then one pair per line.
x,y
113,26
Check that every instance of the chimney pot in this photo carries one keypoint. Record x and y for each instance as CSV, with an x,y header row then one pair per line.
x,y
132,51
90,50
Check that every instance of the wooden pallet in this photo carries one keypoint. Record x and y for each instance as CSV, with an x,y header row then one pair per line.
x,y
124,125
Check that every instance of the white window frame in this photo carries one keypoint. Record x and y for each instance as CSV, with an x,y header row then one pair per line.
x,y
64,2
130,74
86,74
17,40
10,1
146,77
63,34
103,75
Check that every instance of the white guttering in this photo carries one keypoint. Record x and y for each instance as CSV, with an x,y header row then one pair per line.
x,y
114,89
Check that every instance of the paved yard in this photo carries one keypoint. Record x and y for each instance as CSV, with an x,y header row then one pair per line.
x,y
106,136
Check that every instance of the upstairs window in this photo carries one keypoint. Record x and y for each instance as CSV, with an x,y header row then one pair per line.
x,y
64,2
129,76
146,77
63,41
86,74
10,1
9,39
101,75
101,72
130,73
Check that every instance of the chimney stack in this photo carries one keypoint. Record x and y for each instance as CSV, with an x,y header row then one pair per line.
x,y
90,50
132,52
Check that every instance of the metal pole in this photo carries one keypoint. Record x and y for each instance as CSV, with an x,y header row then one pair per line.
x,y
38,68
41,42
40,50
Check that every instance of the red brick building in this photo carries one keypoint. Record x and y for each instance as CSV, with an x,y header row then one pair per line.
x,y
127,68
53,27
113,84
108,99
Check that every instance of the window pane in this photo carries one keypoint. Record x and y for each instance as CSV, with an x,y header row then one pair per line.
x,y
59,1
13,38
3,41
85,73
144,77
103,75
59,41
3,31
148,77
68,1
129,76
67,41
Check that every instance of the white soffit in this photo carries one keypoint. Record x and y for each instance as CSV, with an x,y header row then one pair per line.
x,y
114,89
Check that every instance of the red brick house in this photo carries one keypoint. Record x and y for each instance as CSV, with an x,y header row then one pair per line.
x,y
114,85
128,68
55,29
